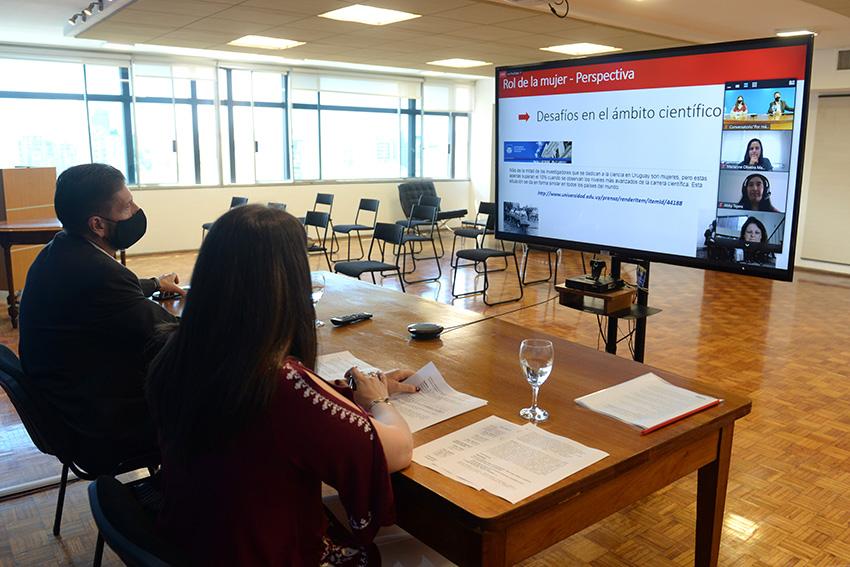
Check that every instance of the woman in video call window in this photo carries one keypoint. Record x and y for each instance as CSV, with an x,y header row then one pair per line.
x,y
754,156
740,108
755,194
754,233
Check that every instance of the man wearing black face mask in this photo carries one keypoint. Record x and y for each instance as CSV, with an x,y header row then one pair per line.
x,y
86,323
778,107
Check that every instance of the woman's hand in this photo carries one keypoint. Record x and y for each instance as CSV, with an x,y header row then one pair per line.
x,y
369,387
396,378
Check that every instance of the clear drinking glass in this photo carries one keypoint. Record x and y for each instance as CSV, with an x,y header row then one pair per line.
x,y
536,357
317,289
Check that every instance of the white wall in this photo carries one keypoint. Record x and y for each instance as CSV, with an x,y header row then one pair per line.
x,y
826,79
175,214
481,148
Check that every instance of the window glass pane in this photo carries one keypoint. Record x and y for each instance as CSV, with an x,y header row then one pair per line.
x,y
43,133
222,84
368,101
243,131
241,84
108,134
225,144
155,143
359,145
463,98
25,75
437,97
436,147
152,87
305,97
103,79
182,88
270,133
205,90
207,141
305,144
185,145
269,87
461,149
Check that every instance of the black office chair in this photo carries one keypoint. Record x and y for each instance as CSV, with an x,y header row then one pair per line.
x,y
278,206
49,435
482,256
421,233
320,222
410,192
324,203
482,225
234,202
368,205
125,515
549,250
386,236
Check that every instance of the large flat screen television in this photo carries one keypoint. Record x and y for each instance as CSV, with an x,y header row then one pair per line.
x,y
688,156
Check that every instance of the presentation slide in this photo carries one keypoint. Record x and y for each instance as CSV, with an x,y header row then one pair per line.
x,y
660,154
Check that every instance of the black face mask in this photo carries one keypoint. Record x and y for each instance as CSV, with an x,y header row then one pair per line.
x,y
776,97
128,231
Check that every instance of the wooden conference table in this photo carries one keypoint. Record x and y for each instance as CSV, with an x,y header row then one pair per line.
x,y
13,233
477,528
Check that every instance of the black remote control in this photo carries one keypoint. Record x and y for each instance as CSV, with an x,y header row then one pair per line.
x,y
348,319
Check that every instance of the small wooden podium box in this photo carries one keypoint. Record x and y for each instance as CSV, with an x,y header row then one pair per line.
x,y
606,303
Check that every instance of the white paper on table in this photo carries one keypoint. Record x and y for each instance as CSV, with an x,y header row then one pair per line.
x,y
435,401
647,401
508,460
333,366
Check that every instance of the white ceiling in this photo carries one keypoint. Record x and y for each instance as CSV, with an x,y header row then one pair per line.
x,y
489,30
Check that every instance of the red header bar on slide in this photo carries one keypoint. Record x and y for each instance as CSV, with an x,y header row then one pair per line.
x,y
676,71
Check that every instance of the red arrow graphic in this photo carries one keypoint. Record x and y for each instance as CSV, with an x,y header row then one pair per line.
x,y
524,117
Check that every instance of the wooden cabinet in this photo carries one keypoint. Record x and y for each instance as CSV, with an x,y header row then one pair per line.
x,y
25,194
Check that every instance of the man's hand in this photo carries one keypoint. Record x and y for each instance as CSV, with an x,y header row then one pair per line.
x,y
168,284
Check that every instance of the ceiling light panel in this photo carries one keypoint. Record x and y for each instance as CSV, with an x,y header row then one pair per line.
x,y
581,48
263,42
459,63
362,14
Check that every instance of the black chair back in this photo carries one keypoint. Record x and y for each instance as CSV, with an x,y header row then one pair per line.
x,y
370,206
279,206
317,219
389,232
238,202
127,527
47,435
423,213
324,199
430,201
410,192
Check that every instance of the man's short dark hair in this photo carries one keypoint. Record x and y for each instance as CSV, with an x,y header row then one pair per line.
x,y
85,190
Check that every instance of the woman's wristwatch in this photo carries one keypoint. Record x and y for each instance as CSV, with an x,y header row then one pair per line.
x,y
373,403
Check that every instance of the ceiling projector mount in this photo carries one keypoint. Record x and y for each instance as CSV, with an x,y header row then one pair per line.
x,y
558,7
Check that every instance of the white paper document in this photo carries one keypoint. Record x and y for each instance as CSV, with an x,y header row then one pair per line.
x,y
334,366
435,401
508,460
648,401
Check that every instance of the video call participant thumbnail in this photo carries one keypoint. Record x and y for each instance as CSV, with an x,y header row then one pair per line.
x,y
778,106
754,156
755,194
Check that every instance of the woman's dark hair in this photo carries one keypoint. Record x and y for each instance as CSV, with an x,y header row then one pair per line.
x,y
759,224
249,307
85,190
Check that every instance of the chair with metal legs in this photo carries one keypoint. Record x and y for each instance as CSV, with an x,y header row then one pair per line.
x,y
482,256
367,205
319,221
484,224
549,250
324,203
421,233
50,436
385,236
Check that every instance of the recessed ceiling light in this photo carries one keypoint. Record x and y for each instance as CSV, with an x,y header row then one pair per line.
x,y
581,48
459,63
363,14
793,33
263,42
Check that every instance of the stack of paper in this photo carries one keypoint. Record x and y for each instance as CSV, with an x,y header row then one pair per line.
x,y
648,402
508,460
435,401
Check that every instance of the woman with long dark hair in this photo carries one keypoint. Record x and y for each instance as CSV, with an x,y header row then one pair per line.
x,y
754,156
248,432
755,194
